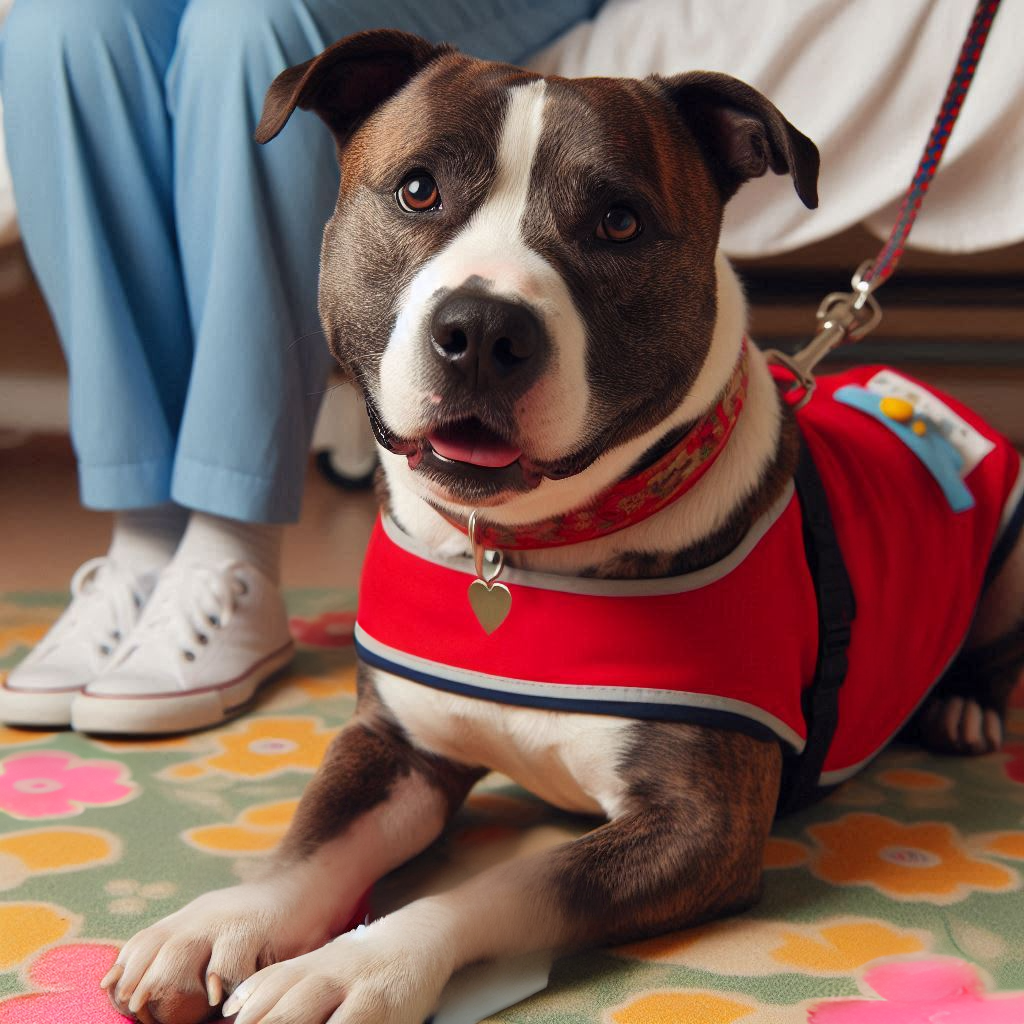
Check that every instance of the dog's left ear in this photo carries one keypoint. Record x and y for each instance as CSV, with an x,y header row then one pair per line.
x,y
347,82
741,133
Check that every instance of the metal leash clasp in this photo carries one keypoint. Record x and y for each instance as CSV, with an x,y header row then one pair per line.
x,y
842,317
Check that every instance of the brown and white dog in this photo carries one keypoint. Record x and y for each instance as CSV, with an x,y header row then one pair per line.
x,y
522,272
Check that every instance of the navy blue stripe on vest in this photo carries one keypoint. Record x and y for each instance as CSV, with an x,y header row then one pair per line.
x,y
652,711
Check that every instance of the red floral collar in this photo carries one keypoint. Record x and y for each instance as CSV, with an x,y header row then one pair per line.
x,y
638,497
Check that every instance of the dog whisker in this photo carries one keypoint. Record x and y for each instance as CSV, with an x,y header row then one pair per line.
x,y
307,337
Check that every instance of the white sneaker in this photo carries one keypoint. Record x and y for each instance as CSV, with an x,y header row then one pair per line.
x,y
209,636
106,602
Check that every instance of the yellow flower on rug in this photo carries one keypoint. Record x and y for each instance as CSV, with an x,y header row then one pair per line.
x,y
927,861
43,851
914,780
156,744
1003,844
342,681
856,793
10,737
675,1007
748,947
843,947
256,830
336,684
21,635
784,853
26,928
261,748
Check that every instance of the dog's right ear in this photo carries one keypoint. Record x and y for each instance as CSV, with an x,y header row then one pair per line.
x,y
346,82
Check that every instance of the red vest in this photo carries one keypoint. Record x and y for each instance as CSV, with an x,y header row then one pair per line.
x,y
735,644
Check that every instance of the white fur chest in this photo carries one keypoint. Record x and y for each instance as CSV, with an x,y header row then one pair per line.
x,y
569,759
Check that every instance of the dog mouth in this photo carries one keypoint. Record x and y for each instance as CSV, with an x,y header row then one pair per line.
x,y
472,443
471,462
470,459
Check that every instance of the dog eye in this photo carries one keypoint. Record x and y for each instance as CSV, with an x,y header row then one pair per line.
x,y
419,193
619,224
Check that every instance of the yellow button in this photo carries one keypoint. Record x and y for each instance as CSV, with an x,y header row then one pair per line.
x,y
919,427
898,409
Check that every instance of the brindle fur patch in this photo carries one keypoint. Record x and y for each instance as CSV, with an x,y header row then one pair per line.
x,y
690,846
362,765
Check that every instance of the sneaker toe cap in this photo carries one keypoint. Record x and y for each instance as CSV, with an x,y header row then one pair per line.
x,y
44,679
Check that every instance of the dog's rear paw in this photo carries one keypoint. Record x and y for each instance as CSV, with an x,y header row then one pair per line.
x,y
960,725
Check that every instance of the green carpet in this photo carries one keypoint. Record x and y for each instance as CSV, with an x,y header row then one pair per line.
x,y
898,897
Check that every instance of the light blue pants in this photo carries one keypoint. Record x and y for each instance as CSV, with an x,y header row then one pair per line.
x,y
179,259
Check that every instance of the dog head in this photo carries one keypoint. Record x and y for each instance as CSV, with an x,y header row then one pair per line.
x,y
520,271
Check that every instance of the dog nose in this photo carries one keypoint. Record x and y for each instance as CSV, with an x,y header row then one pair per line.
x,y
488,342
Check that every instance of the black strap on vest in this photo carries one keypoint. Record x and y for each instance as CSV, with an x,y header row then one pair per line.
x,y
836,611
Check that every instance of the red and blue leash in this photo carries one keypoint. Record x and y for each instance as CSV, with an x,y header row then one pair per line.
x,y
889,256
849,316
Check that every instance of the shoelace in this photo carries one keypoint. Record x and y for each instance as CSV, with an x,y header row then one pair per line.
x,y
188,603
105,604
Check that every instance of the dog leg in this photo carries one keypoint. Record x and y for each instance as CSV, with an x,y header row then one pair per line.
x,y
374,803
966,715
686,847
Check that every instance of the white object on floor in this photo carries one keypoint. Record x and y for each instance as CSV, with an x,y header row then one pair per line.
x,y
106,603
864,80
343,430
481,990
209,636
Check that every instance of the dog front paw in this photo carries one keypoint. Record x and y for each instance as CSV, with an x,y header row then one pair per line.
x,y
370,976
179,969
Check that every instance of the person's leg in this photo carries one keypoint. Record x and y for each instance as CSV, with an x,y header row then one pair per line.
x,y
89,144
90,150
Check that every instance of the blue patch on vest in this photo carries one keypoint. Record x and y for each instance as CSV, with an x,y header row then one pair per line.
x,y
935,452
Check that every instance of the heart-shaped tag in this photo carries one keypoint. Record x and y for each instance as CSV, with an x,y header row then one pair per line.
x,y
491,603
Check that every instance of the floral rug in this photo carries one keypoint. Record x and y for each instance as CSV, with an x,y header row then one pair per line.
x,y
897,900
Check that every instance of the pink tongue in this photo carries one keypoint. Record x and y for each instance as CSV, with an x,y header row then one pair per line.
x,y
493,454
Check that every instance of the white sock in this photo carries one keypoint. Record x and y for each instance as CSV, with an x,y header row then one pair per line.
x,y
212,539
145,539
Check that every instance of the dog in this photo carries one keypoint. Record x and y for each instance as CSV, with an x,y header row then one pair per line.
x,y
522,275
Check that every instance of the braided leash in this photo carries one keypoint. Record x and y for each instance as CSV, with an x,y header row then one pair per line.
x,y
849,316
889,256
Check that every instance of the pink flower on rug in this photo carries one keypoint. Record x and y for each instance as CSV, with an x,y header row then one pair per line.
x,y
55,785
922,990
331,629
68,979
